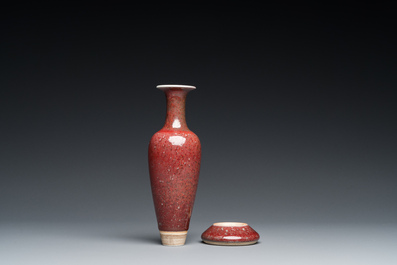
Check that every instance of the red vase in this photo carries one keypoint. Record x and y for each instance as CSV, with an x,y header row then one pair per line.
x,y
174,166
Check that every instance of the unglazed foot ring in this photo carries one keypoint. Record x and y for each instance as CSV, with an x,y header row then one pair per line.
x,y
230,243
173,238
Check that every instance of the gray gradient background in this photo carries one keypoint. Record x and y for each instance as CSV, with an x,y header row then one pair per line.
x,y
296,113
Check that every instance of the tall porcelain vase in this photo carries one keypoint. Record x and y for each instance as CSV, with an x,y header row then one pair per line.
x,y
174,166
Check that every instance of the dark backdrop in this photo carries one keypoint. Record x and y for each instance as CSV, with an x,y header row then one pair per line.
x,y
296,112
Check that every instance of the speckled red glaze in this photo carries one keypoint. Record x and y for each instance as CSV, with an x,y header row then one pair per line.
x,y
174,165
230,234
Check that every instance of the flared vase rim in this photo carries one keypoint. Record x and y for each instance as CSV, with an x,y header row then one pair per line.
x,y
184,87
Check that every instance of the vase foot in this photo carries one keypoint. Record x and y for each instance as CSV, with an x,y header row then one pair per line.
x,y
173,238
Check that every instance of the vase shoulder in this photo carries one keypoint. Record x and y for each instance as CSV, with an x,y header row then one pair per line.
x,y
166,137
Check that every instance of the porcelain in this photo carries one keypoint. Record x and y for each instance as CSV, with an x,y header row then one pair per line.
x,y
174,167
230,234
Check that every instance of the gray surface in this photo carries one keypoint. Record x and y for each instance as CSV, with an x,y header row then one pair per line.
x,y
139,244
296,114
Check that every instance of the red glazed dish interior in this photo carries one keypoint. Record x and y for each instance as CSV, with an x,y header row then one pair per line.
x,y
230,232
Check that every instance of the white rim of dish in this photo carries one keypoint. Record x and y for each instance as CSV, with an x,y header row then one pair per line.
x,y
229,224
180,86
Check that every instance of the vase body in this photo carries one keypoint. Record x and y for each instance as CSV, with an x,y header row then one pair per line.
x,y
174,166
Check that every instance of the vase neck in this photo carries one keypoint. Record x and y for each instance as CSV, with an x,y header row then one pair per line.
x,y
176,100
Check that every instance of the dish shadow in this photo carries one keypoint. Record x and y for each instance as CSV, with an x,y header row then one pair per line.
x,y
214,245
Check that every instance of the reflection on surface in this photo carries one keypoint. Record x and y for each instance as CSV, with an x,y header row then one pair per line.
x,y
177,140
232,237
176,124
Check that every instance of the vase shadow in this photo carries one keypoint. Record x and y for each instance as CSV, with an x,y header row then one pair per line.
x,y
137,238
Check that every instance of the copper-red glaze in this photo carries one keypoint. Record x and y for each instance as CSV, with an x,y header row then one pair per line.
x,y
230,234
174,165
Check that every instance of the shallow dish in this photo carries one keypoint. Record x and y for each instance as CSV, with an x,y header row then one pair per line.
x,y
230,234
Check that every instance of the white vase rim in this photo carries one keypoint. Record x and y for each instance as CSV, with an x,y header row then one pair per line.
x,y
176,86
